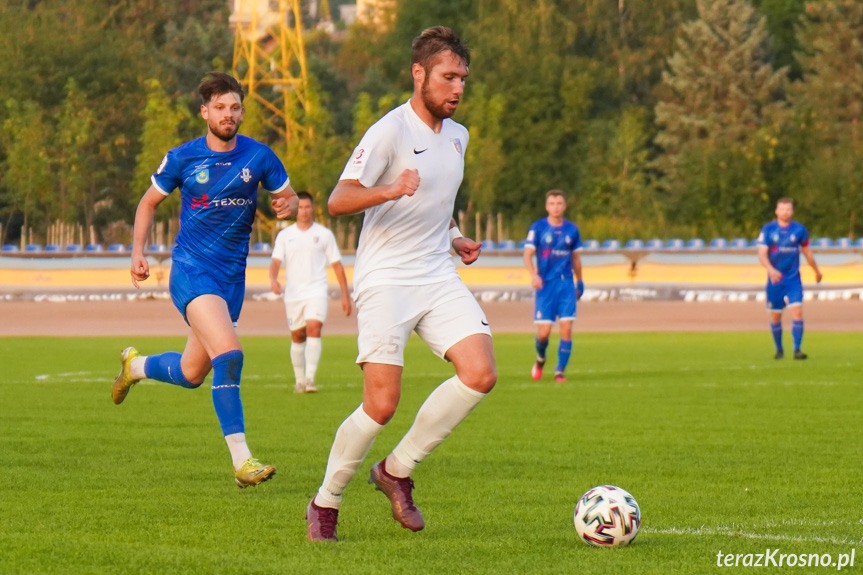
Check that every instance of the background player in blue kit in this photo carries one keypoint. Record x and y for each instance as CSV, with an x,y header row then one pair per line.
x,y
218,176
779,246
556,243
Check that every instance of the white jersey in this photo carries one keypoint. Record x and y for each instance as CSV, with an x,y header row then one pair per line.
x,y
406,241
306,255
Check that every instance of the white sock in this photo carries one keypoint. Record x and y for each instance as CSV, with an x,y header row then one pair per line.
x,y
136,367
298,359
313,356
353,440
239,450
444,409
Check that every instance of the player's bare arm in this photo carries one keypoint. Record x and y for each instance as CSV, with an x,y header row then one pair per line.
x,y
774,274
339,270
351,197
535,280
466,248
275,266
144,216
285,203
807,252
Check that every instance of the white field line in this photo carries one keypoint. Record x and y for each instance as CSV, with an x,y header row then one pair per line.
x,y
734,532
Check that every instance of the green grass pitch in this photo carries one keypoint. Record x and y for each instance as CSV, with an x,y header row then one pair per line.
x,y
724,448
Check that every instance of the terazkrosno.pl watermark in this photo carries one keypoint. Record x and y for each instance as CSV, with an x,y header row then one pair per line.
x,y
775,558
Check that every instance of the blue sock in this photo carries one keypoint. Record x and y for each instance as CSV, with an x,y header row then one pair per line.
x,y
166,367
226,391
541,346
797,333
776,329
563,352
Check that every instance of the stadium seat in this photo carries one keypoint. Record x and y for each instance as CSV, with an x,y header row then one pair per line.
x,y
654,244
489,245
74,248
634,245
117,248
719,243
10,248
33,248
521,244
843,243
739,243
508,245
94,248
157,248
610,245
674,244
590,245
53,248
695,244
859,243
822,243
262,247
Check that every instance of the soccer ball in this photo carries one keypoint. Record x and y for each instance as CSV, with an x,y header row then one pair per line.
x,y
607,516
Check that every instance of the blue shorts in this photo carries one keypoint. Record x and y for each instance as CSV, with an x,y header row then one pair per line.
x,y
787,292
556,300
188,282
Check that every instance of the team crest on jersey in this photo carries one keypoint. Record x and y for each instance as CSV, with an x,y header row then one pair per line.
x,y
203,176
567,240
456,143
793,238
315,239
775,237
547,238
246,175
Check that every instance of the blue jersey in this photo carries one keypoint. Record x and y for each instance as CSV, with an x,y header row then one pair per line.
x,y
783,246
554,246
219,197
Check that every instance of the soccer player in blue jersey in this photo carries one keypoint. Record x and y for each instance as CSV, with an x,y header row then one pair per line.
x,y
218,176
556,243
779,246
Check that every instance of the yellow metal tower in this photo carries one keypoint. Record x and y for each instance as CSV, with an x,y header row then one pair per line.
x,y
270,61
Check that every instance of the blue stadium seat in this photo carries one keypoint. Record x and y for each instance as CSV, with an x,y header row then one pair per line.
x,y
654,244
843,243
823,243
117,248
262,247
590,245
506,245
859,243
753,243
695,244
719,243
521,244
674,244
634,245
74,248
32,248
157,248
489,245
53,248
10,248
739,243
610,245
94,248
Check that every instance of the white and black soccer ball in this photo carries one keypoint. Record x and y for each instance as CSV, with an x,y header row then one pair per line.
x,y
607,516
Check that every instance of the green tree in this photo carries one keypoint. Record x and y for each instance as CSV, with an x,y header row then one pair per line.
x,y
720,117
829,100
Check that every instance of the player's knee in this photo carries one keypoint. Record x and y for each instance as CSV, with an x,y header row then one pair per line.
x,y
481,380
381,410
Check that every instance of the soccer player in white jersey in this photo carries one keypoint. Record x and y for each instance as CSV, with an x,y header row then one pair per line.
x,y
404,176
306,248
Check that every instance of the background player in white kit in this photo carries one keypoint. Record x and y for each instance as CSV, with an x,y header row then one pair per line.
x,y
404,175
306,247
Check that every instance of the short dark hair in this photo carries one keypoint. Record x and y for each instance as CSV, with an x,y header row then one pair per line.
x,y
784,201
435,40
555,192
305,196
217,84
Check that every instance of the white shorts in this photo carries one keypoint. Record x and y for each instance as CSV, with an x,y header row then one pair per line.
x,y
442,314
302,310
